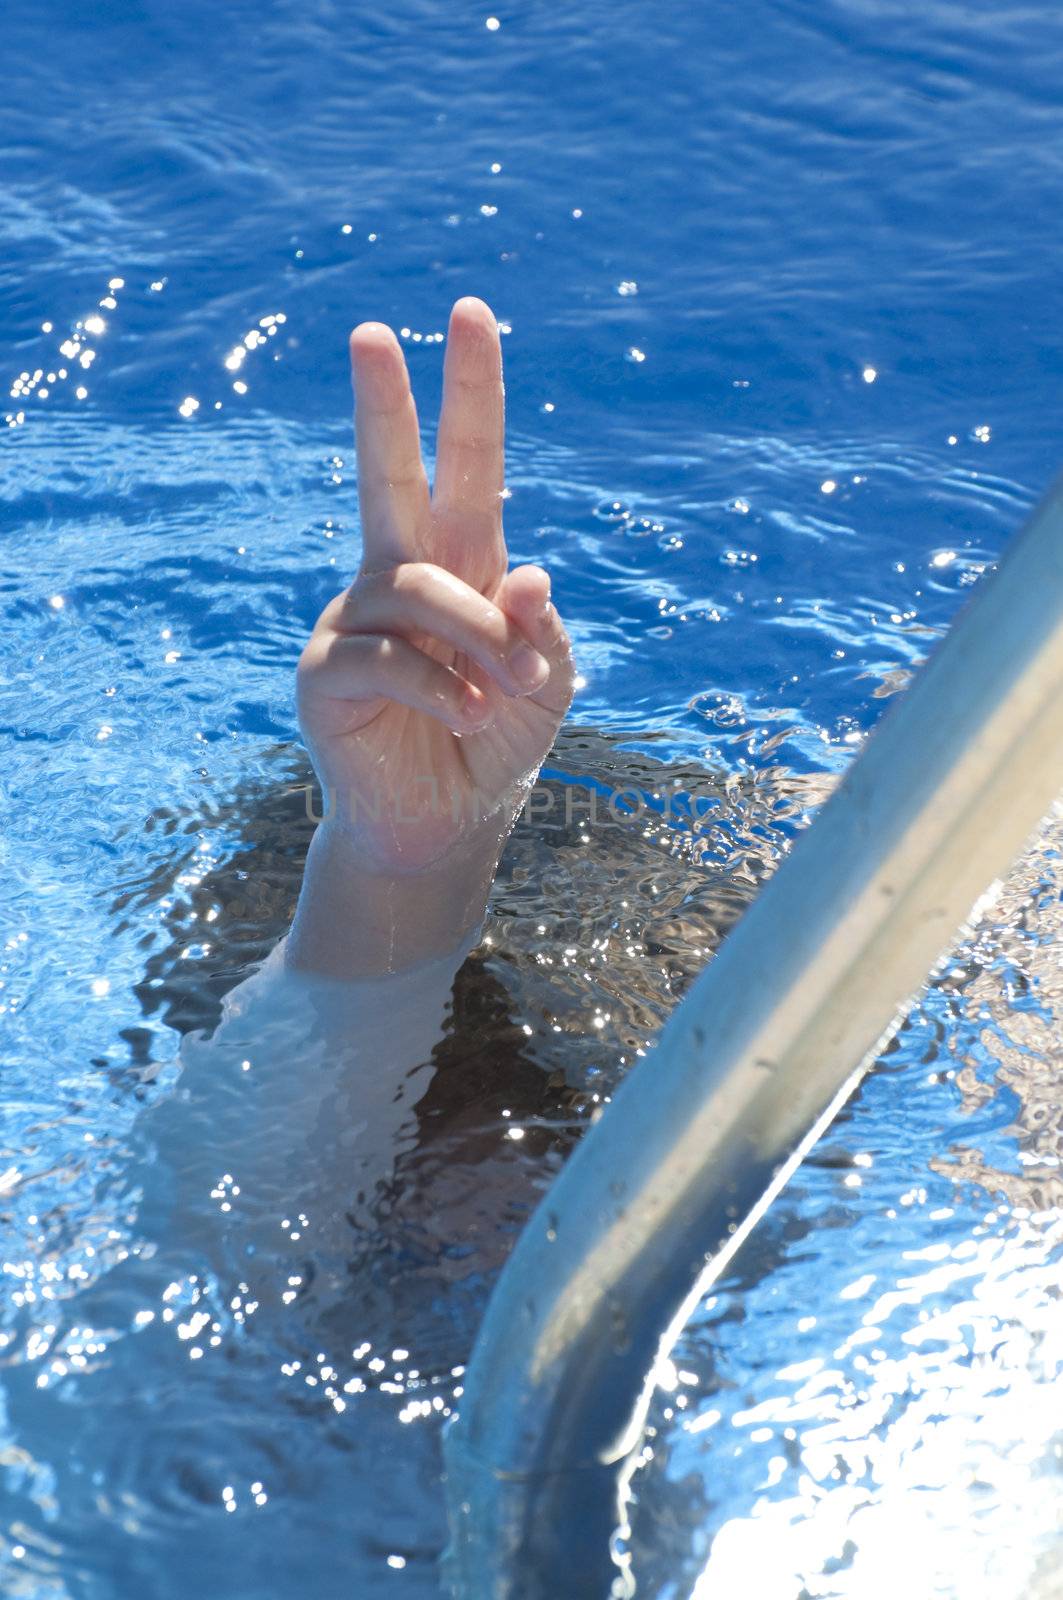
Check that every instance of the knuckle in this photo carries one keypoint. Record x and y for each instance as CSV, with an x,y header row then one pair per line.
x,y
334,612
412,580
392,409
364,655
402,480
410,475
332,654
381,651
314,655
347,604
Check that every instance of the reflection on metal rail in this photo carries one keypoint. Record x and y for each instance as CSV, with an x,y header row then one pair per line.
x,y
748,1072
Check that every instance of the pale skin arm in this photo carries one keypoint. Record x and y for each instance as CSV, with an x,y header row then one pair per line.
x,y
433,687
415,698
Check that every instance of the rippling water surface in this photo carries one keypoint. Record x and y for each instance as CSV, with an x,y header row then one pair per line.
x,y
779,287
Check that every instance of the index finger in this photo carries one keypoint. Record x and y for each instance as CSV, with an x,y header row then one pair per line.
x,y
392,486
470,465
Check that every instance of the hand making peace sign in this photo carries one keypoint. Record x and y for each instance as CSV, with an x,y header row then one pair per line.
x,y
431,690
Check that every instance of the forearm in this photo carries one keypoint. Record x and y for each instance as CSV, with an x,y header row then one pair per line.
x,y
353,923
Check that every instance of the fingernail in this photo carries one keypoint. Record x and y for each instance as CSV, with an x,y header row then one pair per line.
x,y
475,708
528,667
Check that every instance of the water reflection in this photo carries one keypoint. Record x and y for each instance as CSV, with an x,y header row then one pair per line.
x,y
299,1254
869,1400
297,1250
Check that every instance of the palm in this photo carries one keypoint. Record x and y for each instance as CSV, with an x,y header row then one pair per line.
x,y
419,786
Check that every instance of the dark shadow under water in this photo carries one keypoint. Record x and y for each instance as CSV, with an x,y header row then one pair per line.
x,y
617,884
142,1459
328,1392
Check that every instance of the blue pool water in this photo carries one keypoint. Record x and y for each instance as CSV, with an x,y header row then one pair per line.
x,y
779,287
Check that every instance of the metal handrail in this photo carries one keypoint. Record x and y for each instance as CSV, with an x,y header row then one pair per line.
x,y
750,1069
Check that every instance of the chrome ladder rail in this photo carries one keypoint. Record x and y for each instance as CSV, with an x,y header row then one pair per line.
x,y
768,1044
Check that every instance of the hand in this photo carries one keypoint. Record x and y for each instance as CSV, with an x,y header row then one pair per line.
x,y
431,690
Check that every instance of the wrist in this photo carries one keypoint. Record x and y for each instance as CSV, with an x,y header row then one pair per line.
x,y
357,919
